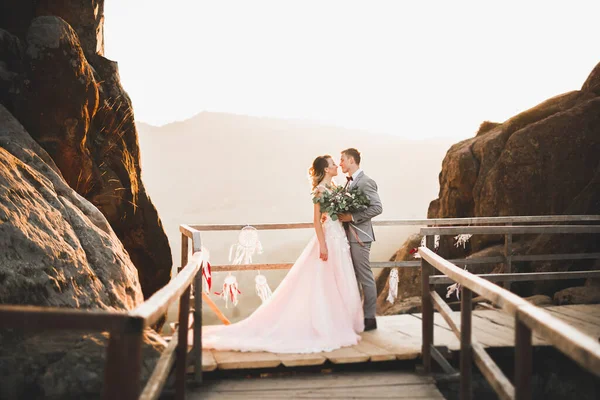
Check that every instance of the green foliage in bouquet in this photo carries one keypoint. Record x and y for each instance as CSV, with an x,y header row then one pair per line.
x,y
336,201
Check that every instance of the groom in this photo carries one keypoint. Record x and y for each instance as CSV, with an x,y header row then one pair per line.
x,y
360,231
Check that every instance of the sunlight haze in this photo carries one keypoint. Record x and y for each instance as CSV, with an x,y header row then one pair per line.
x,y
257,89
427,69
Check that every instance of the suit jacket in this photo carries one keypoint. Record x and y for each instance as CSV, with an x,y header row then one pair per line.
x,y
362,219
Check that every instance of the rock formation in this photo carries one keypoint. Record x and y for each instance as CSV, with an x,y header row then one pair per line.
x,y
60,251
69,98
77,228
543,161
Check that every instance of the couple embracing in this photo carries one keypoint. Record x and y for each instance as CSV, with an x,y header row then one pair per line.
x,y
317,307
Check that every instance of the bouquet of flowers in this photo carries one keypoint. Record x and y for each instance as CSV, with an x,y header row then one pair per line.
x,y
337,200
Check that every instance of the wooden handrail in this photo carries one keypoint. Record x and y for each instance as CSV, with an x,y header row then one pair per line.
x,y
265,267
126,328
523,276
513,230
506,300
416,264
486,364
159,376
35,318
578,346
411,222
153,308
193,234
555,257
123,364
529,318
457,226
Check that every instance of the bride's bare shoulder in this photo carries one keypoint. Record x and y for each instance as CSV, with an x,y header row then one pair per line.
x,y
319,190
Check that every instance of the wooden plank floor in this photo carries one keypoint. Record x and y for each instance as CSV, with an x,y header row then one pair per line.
x,y
399,337
341,385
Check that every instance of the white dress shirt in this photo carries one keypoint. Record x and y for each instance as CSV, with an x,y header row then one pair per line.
x,y
354,175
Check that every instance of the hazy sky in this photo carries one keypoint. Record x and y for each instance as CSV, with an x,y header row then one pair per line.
x,y
412,68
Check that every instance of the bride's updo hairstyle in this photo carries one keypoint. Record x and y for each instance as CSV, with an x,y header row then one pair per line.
x,y
317,171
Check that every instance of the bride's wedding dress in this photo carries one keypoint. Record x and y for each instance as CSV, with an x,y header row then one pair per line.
x,y
317,306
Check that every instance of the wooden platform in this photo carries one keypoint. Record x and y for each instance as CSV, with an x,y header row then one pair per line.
x,y
341,385
399,337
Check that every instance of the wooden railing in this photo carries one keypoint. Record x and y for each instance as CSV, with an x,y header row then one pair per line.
x,y
528,318
440,226
124,352
123,365
434,222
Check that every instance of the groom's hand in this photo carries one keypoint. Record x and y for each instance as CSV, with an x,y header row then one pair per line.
x,y
345,217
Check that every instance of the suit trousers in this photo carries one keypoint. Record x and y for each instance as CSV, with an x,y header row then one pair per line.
x,y
364,276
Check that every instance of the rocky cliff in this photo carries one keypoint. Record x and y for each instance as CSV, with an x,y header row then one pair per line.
x,y
77,228
56,82
543,161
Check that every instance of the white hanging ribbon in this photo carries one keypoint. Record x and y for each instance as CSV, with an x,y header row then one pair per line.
x,y
462,239
393,286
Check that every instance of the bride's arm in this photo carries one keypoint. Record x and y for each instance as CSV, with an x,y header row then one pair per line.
x,y
319,231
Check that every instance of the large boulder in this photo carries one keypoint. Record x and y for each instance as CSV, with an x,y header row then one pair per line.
x,y
121,194
544,161
587,294
578,295
77,228
535,163
58,250
73,105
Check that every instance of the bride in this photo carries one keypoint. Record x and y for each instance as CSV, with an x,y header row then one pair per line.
x,y
317,306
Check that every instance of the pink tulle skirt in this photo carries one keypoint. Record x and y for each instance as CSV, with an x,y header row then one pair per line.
x,y
316,308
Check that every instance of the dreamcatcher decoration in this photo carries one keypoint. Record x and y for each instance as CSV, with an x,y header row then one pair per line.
x,y
248,244
393,286
241,253
230,291
262,287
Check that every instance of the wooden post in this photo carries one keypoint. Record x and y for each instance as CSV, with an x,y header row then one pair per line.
x,y
184,251
427,309
198,328
122,370
466,350
182,331
182,344
508,257
523,360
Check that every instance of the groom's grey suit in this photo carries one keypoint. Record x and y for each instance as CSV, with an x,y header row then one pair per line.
x,y
362,227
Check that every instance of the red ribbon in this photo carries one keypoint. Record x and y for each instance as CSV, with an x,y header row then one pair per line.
x,y
207,275
356,235
230,292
